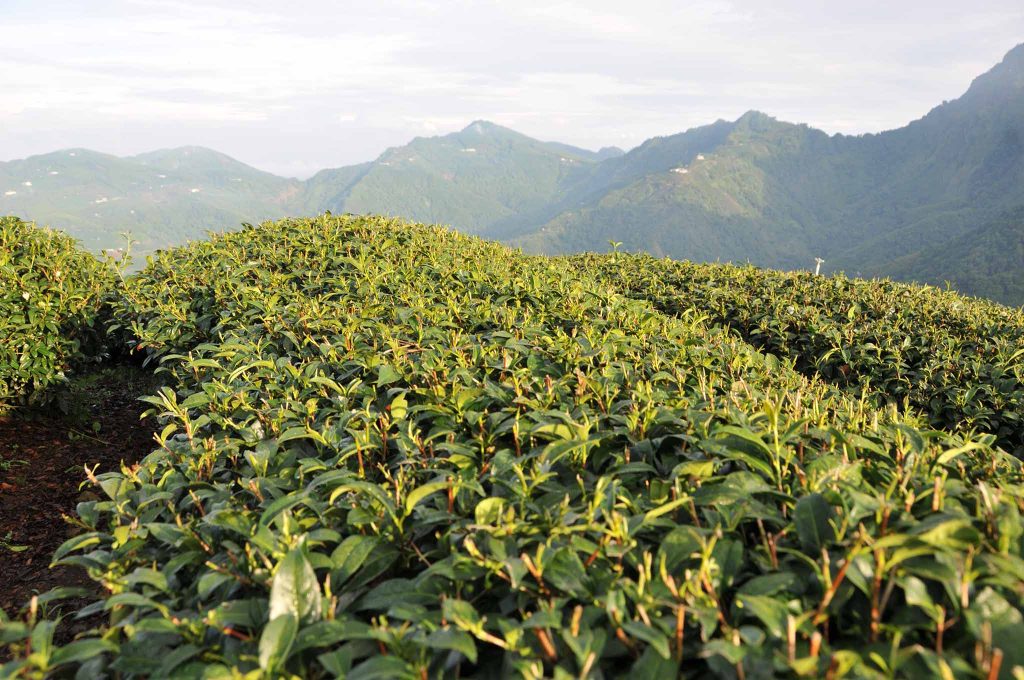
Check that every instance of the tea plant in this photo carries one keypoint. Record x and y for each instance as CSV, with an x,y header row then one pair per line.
x,y
957,360
51,301
392,451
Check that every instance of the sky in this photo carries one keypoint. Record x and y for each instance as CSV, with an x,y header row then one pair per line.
x,y
293,87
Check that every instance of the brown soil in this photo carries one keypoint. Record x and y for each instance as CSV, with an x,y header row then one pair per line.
x,y
42,455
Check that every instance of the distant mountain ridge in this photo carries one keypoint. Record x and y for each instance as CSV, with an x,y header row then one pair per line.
x,y
163,198
922,202
476,179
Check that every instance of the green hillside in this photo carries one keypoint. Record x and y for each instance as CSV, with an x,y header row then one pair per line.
x,y
660,154
987,260
163,198
480,179
778,194
385,449
709,194
483,178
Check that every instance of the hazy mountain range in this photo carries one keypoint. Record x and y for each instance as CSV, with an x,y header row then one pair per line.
x,y
941,199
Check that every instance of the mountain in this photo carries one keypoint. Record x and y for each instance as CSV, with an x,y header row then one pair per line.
x,y
987,261
947,174
702,194
920,202
779,194
479,180
484,178
162,198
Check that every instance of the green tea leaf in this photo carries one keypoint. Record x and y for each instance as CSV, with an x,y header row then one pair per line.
x,y
276,641
295,590
455,640
811,516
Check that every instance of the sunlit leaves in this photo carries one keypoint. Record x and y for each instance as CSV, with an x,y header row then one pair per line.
x,y
399,452
295,590
52,310
956,360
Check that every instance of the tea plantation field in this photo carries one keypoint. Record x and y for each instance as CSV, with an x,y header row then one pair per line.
x,y
386,450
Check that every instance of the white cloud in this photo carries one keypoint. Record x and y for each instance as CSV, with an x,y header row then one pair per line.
x,y
339,81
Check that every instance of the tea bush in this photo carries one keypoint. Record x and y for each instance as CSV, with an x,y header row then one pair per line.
x,y
391,451
958,360
51,300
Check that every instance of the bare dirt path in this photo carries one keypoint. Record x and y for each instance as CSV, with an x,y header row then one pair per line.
x,y
42,455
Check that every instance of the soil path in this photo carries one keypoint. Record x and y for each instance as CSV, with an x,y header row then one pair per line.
x,y
41,473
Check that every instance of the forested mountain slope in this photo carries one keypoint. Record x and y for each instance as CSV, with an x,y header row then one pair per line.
x,y
779,194
162,198
479,178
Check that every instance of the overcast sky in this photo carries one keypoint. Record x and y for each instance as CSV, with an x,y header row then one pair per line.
x,y
292,87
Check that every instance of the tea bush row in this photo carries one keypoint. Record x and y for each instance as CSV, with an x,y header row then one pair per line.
x,y
960,361
51,301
